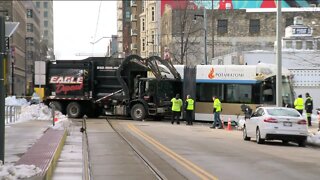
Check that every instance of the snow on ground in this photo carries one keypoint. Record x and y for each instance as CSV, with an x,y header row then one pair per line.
x,y
28,113
11,172
314,138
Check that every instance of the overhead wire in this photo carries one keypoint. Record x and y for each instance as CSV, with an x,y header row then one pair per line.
x,y
97,25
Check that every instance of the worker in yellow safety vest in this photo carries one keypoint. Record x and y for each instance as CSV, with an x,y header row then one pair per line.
x,y
216,113
299,104
189,109
176,108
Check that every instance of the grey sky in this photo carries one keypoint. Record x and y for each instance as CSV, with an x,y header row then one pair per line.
x,y
75,27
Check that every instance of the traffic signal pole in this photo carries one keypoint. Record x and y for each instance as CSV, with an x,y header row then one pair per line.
x,y
2,87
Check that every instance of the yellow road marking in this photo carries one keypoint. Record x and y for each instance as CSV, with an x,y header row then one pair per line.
x,y
184,162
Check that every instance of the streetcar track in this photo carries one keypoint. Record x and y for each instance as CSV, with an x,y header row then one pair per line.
x,y
152,168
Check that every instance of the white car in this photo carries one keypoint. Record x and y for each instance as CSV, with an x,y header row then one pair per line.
x,y
276,123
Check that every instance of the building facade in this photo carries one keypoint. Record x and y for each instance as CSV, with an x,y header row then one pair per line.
x,y
233,31
150,31
46,25
32,43
16,12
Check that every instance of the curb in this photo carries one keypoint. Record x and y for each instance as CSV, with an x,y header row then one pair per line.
x,y
45,153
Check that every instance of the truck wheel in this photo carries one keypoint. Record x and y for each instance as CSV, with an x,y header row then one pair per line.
x,y
57,105
138,112
74,110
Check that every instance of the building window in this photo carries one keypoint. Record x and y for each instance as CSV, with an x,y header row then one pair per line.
x,y
45,33
45,5
45,23
289,22
29,27
29,55
143,26
142,2
152,37
318,45
309,45
222,26
152,14
29,41
143,44
45,14
254,26
298,44
288,44
38,4
128,15
29,13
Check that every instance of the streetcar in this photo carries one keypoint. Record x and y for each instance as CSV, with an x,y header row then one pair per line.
x,y
234,85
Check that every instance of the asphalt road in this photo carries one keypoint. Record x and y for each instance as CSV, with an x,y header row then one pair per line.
x,y
198,152
125,149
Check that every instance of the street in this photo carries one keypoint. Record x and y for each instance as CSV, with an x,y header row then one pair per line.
x,y
192,152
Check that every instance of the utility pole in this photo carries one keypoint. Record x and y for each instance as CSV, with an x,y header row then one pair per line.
x,y
205,35
2,87
279,57
204,16
212,27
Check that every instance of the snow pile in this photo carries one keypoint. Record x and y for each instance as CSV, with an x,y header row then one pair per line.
x,y
11,172
314,138
61,121
13,101
35,112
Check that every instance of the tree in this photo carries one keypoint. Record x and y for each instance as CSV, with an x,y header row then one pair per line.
x,y
179,24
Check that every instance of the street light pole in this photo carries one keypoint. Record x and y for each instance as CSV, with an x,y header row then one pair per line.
x,y
279,58
204,16
2,88
205,35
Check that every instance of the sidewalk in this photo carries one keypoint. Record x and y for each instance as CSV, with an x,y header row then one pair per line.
x,y
20,137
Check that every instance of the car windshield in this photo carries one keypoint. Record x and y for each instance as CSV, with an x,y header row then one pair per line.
x,y
283,112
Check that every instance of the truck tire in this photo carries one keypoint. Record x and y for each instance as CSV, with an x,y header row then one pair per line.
x,y
74,110
138,112
57,105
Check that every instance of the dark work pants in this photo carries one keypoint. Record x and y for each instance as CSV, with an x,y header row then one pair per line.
x,y
216,120
309,118
189,117
300,111
175,116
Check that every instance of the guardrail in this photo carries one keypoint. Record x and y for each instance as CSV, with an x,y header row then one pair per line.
x,y
12,114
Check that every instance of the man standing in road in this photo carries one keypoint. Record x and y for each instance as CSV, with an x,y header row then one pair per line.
x,y
216,113
308,107
298,104
176,108
189,109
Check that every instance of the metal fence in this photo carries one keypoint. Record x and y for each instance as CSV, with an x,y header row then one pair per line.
x,y
12,114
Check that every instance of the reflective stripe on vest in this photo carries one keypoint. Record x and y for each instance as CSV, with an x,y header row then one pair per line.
x,y
190,104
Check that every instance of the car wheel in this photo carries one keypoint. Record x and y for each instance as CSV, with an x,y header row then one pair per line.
x,y
258,137
74,110
245,135
302,143
138,112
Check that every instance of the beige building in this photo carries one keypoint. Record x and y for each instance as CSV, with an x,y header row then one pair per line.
x,y
234,31
150,29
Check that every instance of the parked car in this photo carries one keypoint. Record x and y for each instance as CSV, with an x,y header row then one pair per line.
x,y
276,123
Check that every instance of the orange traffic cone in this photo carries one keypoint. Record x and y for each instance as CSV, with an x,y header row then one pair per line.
x,y
222,122
229,128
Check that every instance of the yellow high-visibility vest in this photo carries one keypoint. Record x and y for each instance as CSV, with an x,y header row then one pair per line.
x,y
190,104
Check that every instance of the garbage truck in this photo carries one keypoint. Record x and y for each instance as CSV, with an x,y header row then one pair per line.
x,y
131,86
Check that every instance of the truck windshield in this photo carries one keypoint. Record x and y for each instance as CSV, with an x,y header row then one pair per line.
x,y
168,89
